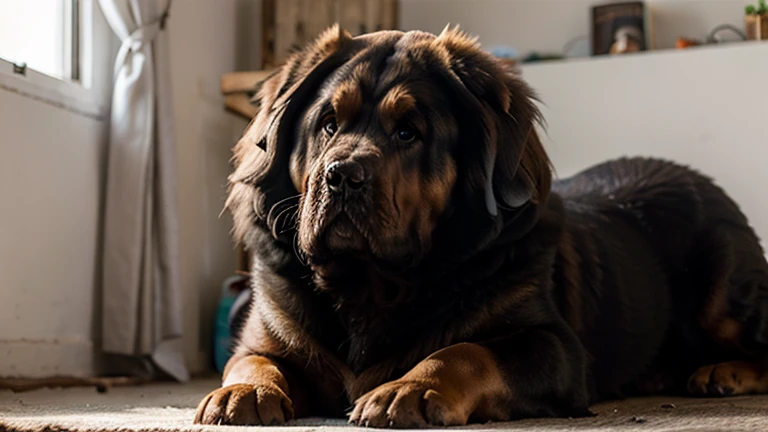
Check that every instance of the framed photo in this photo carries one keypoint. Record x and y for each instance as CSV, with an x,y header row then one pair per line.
x,y
619,28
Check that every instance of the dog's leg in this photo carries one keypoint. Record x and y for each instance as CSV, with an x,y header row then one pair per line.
x,y
254,392
734,313
534,372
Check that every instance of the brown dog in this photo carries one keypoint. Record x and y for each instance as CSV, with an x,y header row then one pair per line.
x,y
412,266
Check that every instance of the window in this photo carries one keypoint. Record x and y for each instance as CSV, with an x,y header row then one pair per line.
x,y
57,51
41,34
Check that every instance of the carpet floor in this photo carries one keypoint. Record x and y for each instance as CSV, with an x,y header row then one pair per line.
x,y
170,407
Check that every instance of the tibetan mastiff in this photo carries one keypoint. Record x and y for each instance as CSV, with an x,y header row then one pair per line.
x,y
415,265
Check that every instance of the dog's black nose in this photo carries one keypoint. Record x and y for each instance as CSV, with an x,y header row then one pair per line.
x,y
339,175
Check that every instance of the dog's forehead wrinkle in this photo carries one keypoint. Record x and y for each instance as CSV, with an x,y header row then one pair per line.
x,y
359,77
407,56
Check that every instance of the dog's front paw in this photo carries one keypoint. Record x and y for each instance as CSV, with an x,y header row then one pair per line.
x,y
728,379
408,404
245,404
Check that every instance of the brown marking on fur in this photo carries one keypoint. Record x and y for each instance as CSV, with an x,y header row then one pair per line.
x,y
254,369
572,281
437,190
403,190
419,199
713,317
435,194
714,307
395,105
730,379
407,197
448,387
728,331
347,100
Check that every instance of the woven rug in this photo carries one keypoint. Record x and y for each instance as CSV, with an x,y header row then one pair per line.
x,y
170,407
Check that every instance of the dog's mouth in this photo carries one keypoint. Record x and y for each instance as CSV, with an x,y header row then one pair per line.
x,y
342,234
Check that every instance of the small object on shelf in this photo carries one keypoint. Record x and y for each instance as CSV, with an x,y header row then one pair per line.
x,y
503,51
618,28
683,43
716,35
539,57
756,21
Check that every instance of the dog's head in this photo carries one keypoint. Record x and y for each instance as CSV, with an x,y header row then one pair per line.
x,y
374,146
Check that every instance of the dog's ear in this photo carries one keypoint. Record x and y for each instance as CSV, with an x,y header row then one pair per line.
x,y
261,157
510,167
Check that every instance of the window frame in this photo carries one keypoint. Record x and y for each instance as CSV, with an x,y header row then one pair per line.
x,y
94,47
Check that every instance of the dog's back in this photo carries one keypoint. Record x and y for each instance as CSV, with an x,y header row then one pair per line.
x,y
671,275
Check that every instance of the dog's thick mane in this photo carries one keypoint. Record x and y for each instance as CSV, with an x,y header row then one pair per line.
x,y
512,167
500,188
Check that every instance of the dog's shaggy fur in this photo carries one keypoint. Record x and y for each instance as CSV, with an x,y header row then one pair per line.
x,y
413,263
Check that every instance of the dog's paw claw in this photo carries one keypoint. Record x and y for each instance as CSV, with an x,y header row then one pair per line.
x,y
406,404
245,404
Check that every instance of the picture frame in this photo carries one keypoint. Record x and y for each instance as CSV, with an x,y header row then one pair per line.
x,y
619,28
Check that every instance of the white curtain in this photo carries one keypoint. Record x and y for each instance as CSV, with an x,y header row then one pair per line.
x,y
142,315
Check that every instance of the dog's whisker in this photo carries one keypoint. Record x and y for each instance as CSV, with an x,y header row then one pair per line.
x,y
278,210
278,221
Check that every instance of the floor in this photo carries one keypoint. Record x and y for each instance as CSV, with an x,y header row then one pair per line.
x,y
170,407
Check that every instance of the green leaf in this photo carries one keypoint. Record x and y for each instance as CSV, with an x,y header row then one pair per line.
x,y
750,10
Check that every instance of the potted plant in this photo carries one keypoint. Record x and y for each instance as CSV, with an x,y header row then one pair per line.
x,y
756,21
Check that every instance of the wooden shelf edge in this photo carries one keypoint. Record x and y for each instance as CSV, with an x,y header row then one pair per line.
x,y
236,82
240,104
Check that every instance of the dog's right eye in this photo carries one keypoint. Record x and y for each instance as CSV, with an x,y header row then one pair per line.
x,y
329,124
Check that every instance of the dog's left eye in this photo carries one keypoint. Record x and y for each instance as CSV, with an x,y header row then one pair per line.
x,y
406,134
329,125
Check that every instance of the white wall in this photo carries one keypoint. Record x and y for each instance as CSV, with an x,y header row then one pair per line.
x,y
702,107
52,158
51,181
547,25
51,184
208,39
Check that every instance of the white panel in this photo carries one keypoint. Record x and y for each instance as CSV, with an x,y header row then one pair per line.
x,y
51,181
703,107
47,358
